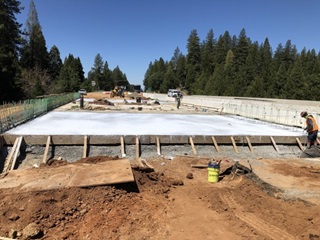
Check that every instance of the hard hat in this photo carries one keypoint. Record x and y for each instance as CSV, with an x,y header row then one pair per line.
x,y
303,114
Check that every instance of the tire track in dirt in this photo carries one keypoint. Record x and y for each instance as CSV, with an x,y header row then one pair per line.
x,y
251,219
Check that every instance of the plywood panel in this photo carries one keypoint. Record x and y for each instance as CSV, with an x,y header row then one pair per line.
x,y
71,175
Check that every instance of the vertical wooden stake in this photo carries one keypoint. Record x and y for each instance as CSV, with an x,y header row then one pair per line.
x,y
274,144
215,144
299,143
8,160
249,144
158,146
234,144
137,148
85,146
44,159
123,154
192,145
16,153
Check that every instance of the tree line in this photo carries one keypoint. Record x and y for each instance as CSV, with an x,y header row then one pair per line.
x,y
29,70
236,66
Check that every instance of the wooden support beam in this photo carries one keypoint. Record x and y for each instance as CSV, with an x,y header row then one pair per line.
x,y
7,164
45,155
138,152
16,153
249,144
85,146
215,144
274,144
300,144
137,148
158,146
192,145
234,144
123,153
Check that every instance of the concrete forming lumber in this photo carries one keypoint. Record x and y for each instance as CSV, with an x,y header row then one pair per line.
x,y
65,140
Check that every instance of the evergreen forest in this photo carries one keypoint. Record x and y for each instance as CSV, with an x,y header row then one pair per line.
x,y
236,66
221,66
29,70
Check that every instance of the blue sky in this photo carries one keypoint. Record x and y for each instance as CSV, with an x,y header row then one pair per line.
x,y
132,33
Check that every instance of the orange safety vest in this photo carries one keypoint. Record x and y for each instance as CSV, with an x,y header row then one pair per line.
x,y
314,124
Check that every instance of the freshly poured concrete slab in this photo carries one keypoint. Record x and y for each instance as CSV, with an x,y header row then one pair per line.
x,y
71,175
93,123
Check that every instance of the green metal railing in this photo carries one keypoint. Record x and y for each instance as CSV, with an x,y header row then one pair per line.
x,y
13,114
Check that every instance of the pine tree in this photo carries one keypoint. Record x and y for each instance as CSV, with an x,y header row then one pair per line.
x,y
71,75
34,52
10,38
55,62
95,74
193,60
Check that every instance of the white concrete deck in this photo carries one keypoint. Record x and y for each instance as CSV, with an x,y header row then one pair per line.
x,y
96,123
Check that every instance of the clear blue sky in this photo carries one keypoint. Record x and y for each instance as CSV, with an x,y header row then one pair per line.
x,y
132,33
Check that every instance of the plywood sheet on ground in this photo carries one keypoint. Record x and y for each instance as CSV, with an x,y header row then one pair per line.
x,y
71,175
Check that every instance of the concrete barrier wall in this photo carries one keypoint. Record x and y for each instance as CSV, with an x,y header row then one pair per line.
x,y
280,111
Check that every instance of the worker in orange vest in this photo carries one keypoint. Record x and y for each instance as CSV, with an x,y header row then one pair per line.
x,y
311,128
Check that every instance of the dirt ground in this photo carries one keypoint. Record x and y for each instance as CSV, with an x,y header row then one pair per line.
x,y
279,199
176,201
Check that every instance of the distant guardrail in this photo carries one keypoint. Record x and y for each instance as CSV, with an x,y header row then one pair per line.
x,y
15,113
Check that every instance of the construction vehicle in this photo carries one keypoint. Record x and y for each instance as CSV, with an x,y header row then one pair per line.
x,y
117,91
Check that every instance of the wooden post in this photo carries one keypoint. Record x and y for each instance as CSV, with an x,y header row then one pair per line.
x,y
8,160
192,145
158,146
123,154
234,145
85,146
45,155
249,144
137,148
274,144
299,144
215,144
16,153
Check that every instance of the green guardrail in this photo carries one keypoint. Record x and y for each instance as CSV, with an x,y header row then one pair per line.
x,y
13,114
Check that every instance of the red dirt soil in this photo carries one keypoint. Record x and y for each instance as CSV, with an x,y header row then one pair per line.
x,y
165,204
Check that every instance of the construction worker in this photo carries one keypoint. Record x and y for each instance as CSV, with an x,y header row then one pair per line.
x,y
311,128
178,99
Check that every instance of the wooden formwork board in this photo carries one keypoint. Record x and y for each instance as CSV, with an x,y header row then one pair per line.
x,y
150,139
71,175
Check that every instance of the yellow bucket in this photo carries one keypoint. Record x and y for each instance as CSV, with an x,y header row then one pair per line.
x,y
213,173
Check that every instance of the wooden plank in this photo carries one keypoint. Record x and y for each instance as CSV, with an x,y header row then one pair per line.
x,y
70,175
215,144
300,144
249,144
234,144
158,146
16,153
123,153
45,155
138,152
192,145
8,160
85,146
274,144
